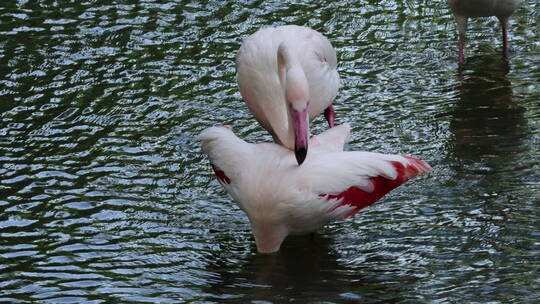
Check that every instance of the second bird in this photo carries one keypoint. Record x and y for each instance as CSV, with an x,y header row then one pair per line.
x,y
464,9
288,75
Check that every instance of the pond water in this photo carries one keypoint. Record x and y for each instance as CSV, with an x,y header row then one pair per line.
x,y
106,197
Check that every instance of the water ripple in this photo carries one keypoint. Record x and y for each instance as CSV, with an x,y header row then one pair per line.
x,y
106,197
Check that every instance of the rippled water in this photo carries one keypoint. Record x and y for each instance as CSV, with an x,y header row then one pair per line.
x,y
105,195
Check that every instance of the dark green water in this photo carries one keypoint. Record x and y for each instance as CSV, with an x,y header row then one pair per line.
x,y
105,196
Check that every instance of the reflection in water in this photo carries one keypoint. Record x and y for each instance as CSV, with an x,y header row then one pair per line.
x,y
489,128
307,268
304,265
487,123
490,198
106,198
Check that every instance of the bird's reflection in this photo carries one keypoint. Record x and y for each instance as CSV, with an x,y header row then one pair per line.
x,y
490,136
487,122
489,128
304,263
306,269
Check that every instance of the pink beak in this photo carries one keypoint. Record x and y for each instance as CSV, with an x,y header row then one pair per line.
x,y
300,127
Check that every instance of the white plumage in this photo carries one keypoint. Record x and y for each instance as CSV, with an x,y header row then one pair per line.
x,y
282,198
287,75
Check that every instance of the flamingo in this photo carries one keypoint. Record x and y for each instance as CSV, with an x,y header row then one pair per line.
x,y
281,198
463,9
287,75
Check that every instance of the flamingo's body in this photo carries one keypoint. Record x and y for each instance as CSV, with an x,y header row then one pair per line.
x,y
288,75
464,9
281,198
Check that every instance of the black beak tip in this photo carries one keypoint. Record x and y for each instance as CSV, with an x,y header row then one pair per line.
x,y
300,154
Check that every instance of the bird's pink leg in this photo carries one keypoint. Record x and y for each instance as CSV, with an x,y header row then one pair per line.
x,y
505,39
330,115
504,26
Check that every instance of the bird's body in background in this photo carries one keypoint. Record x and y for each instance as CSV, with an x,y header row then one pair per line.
x,y
287,75
465,9
281,198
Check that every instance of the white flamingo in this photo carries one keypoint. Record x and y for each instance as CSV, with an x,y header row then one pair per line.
x,y
287,75
282,198
464,9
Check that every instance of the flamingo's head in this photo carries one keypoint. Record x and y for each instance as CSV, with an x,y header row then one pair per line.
x,y
296,88
297,97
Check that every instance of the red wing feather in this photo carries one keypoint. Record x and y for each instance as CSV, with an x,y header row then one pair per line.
x,y
381,185
221,175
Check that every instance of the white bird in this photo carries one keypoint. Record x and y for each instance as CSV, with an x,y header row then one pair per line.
x,y
281,198
287,75
463,9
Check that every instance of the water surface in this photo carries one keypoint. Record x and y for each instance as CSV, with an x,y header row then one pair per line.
x,y
106,197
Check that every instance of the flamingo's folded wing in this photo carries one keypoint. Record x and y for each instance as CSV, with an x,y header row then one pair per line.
x,y
355,180
331,140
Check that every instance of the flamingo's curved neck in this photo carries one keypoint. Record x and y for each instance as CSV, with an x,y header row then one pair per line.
x,y
295,90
